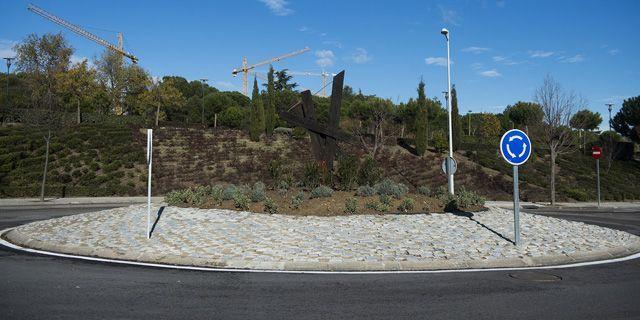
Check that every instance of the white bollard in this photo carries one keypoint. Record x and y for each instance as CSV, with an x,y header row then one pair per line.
x,y
149,161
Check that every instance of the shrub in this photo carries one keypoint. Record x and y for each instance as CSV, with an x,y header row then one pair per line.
x,y
439,141
377,206
385,199
321,192
365,191
369,173
270,206
389,188
312,175
276,169
406,205
297,200
241,201
424,190
348,172
462,200
258,192
232,117
351,206
217,195
175,197
228,192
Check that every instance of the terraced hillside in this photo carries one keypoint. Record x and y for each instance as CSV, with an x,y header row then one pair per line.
x,y
110,160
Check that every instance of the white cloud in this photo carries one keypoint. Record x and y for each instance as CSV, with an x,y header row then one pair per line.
x,y
476,50
490,73
361,56
325,58
575,59
613,52
449,16
278,7
336,44
6,48
541,54
499,58
303,29
438,61
477,65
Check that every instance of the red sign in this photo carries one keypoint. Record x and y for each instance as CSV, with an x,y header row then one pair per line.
x,y
596,152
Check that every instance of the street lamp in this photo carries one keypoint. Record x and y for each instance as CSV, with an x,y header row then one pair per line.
x,y
202,82
445,33
8,68
610,107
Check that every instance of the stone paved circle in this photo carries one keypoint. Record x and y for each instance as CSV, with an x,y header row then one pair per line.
x,y
244,240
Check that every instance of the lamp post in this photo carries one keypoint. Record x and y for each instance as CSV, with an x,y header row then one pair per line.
x,y
609,105
445,32
8,70
203,81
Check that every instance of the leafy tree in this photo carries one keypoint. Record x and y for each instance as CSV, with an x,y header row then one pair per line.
x,y
421,121
162,95
112,74
282,82
525,114
215,103
136,83
79,86
270,110
490,125
373,114
182,85
456,125
558,106
232,117
256,120
627,120
585,120
43,59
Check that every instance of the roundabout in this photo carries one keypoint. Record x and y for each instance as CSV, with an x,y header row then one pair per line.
x,y
244,241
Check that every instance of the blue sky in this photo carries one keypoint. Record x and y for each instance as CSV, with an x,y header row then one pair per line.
x,y
501,50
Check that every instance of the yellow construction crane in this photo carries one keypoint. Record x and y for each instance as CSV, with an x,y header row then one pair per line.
x,y
245,68
324,76
119,49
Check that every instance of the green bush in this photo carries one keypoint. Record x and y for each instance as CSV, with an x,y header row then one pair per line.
x,y
365,191
406,205
424,190
297,200
270,206
439,141
348,172
462,200
576,194
389,188
217,195
176,197
232,117
241,201
321,192
369,173
351,206
312,175
385,199
377,206
258,192
229,192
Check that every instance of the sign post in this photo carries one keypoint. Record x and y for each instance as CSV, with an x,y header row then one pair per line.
x,y
515,147
449,166
149,161
596,153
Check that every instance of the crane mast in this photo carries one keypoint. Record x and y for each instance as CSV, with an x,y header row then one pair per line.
x,y
245,67
41,12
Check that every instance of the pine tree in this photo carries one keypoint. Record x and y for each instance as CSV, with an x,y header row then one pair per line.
x,y
456,123
270,110
421,121
256,120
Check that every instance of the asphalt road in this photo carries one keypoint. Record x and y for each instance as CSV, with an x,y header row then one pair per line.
x,y
41,287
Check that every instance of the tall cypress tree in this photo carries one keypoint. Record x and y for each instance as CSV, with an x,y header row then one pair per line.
x,y
256,120
421,121
456,123
270,110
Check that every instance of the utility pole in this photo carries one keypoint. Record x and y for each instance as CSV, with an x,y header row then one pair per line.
x,y
609,105
445,32
8,71
203,81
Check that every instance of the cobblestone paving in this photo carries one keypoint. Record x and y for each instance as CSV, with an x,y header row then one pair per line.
x,y
245,240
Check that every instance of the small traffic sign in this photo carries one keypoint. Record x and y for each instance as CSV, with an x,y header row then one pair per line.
x,y
453,164
515,147
596,152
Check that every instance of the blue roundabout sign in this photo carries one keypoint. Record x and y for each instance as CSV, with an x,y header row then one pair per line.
x,y
515,147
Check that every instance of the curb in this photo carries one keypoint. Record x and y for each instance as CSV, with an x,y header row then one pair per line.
x,y
14,239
